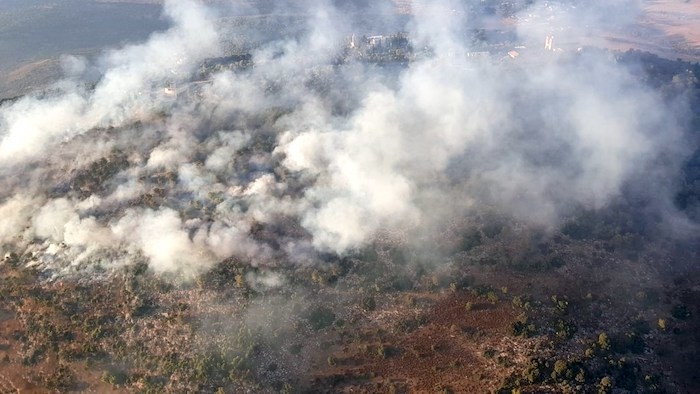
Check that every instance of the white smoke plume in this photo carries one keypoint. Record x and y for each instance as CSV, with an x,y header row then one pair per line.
x,y
296,156
33,124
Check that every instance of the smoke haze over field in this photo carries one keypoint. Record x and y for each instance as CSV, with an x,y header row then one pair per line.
x,y
322,157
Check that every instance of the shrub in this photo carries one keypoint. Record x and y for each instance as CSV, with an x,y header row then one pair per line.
x,y
62,379
680,312
321,318
368,303
492,297
532,374
560,304
518,302
605,386
565,329
604,341
381,351
662,324
115,379
521,327
410,325
561,367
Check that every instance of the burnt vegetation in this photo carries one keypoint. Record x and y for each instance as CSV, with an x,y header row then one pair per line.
x,y
605,304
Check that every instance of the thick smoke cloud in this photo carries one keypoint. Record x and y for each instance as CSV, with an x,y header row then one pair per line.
x,y
296,156
33,124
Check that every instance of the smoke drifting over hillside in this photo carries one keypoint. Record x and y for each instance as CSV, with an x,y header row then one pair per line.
x,y
320,157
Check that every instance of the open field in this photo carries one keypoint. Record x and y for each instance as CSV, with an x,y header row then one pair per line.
x,y
668,28
675,18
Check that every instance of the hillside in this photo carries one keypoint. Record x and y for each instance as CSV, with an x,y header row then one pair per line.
x,y
341,202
